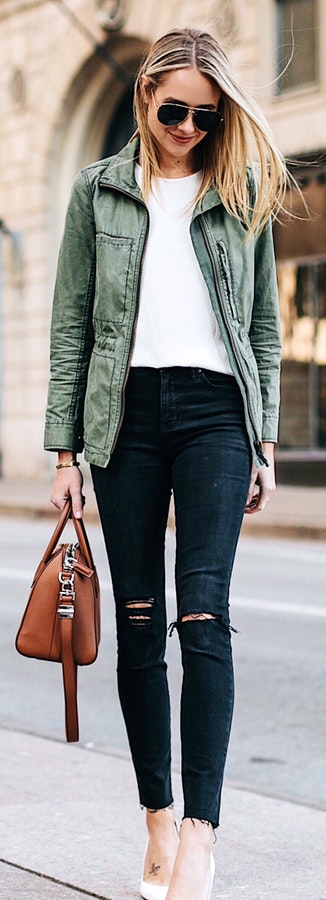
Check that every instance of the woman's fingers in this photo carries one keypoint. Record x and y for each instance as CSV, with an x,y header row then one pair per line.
x,y
68,483
262,486
252,488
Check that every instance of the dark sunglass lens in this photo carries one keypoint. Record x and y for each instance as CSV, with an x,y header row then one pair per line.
x,y
169,114
206,121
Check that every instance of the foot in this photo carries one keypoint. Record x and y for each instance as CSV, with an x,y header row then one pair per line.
x,y
161,848
194,865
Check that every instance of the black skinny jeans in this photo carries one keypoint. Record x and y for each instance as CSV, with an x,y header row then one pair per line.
x,y
183,430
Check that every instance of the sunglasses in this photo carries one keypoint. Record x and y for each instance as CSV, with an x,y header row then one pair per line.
x,y
172,114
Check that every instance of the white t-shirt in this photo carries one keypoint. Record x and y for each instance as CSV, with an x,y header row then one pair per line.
x,y
176,324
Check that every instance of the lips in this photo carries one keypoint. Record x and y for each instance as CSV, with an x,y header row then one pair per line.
x,y
180,140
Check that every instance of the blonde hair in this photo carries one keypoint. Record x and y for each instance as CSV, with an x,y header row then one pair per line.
x,y
231,148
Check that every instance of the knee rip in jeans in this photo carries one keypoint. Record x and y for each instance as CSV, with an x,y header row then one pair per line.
x,y
197,617
139,610
201,617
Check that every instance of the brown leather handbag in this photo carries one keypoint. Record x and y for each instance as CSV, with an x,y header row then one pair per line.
x,y
61,621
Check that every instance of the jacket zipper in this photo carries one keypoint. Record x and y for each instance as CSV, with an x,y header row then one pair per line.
x,y
226,276
222,253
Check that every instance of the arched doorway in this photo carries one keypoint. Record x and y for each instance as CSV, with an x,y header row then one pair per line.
x,y
121,126
95,120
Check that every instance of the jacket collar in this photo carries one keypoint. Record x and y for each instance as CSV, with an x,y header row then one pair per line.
x,y
120,171
120,174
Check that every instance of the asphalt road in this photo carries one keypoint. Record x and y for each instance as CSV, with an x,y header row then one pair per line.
x,y
278,606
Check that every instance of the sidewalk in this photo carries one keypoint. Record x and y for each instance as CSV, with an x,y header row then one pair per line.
x,y
293,512
70,824
70,827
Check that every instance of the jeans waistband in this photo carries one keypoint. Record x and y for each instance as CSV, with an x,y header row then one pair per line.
x,y
191,372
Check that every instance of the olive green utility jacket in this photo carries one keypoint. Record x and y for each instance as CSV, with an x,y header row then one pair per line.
x,y
96,301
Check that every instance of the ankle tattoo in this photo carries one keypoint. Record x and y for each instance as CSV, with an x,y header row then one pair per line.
x,y
154,869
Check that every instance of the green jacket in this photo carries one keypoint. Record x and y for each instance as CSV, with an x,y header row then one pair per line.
x,y
96,299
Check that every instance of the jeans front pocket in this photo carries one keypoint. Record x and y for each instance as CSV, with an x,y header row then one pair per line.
x,y
215,379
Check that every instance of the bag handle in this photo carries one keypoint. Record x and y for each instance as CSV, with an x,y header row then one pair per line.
x,y
80,532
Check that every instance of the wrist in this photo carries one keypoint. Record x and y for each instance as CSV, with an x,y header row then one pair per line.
x,y
268,448
66,456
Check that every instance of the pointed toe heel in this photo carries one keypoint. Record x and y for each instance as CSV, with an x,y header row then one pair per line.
x,y
212,873
153,891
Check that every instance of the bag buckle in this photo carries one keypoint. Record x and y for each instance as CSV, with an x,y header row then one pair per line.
x,y
66,612
66,579
70,557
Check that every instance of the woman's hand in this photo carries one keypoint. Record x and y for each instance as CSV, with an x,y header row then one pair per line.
x,y
262,482
68,482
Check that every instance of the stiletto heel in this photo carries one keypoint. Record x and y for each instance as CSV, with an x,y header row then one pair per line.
x,y
212,871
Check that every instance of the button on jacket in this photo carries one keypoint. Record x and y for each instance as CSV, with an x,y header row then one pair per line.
x,y
96,300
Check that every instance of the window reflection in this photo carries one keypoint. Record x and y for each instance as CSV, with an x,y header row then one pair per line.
x,y
303,300
302,288
296,37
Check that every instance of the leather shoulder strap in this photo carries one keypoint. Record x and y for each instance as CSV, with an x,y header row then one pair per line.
x,y
69,675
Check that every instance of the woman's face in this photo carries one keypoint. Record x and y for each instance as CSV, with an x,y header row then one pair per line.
x,y
176,144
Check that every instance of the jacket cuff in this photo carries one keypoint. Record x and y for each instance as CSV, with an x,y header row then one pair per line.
x,y
63,437
270,429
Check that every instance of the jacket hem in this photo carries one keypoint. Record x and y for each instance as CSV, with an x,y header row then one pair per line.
x,y
97,458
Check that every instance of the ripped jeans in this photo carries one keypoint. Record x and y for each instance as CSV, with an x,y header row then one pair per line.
x,y
183,431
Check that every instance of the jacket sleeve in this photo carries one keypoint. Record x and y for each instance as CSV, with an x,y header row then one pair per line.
x,y
265,332
71,326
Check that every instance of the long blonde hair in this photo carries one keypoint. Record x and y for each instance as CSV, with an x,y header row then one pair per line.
x,y
243,139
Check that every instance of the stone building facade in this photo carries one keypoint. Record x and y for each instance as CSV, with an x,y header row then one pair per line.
x,y
66,69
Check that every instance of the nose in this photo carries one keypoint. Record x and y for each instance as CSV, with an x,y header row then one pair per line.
x,y
188,125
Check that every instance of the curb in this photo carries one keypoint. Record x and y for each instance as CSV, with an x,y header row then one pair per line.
x,y
294,513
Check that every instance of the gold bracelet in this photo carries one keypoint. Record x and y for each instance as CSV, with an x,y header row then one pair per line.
x,y
73,462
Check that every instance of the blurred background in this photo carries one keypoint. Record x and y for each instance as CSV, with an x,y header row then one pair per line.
x,y
66,76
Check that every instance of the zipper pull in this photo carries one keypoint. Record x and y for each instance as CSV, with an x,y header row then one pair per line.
x,y
260,453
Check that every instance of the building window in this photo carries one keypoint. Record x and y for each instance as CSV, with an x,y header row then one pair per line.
x,y
297,35
300,246
302,289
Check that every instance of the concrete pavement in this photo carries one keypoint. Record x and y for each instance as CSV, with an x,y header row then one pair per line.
x,y
70,827
298,512
70,824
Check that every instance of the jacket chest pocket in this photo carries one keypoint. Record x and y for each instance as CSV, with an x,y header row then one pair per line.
x,y
113,271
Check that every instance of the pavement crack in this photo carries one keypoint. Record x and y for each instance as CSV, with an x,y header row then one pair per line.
x,y
66,884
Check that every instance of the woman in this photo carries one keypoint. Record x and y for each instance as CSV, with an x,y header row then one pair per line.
x,y
165,369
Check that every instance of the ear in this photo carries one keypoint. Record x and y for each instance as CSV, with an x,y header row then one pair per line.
x,y
144,85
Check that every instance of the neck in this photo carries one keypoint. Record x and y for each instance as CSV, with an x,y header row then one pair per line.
x,y
177,168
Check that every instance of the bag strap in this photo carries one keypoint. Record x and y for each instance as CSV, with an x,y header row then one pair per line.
x,y
80,532
62,521
83,541
66,617
66,613
69,677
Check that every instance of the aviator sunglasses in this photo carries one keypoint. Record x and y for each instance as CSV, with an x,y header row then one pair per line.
x,y
172,114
